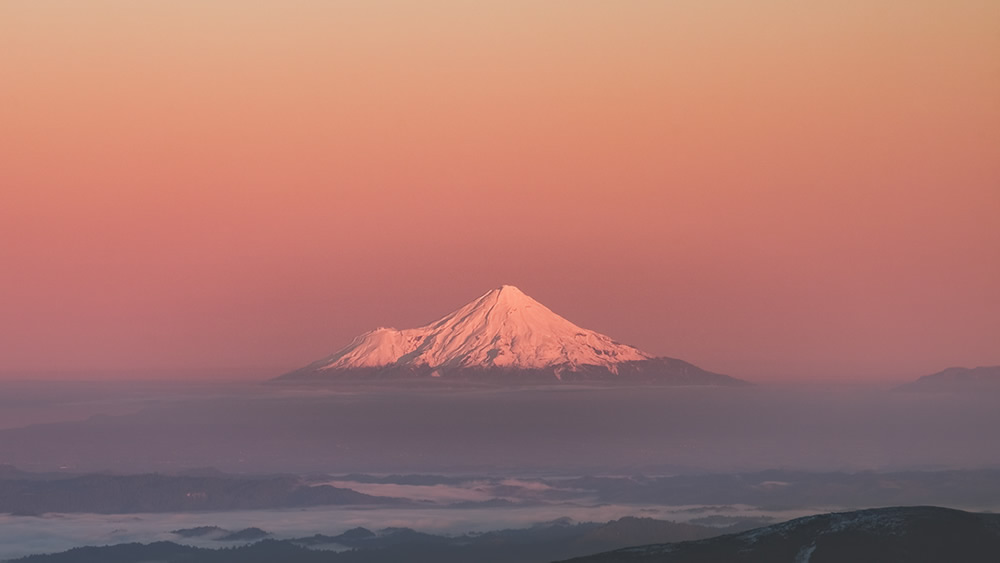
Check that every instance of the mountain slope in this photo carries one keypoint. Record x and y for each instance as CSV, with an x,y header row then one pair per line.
x,y
982,378
912,534
503,332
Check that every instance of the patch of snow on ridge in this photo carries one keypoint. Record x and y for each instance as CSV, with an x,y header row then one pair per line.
x,y
503,329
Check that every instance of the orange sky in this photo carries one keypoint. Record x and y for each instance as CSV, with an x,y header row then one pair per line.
x,y
773,190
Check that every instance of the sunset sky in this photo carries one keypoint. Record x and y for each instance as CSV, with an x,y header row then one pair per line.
x,y
774,190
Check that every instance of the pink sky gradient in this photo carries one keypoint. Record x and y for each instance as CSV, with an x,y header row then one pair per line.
x,y
772,190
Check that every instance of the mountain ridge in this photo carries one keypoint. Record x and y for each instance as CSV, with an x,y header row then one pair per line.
x,y
958,379
916,534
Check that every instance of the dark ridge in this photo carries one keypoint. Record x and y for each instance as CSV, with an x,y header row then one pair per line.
x,y
922,534
982,378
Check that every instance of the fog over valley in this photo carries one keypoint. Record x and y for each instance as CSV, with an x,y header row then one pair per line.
x,y
563,429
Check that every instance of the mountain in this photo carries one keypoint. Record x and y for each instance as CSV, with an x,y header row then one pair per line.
x,y
982,378
502,333
920,534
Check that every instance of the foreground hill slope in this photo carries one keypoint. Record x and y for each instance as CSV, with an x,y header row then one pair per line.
x,y
900,534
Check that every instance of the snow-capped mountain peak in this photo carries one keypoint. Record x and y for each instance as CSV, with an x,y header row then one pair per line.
x,y
504,328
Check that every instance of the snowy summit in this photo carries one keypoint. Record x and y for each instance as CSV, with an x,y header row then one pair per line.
x,y
503,328
502,332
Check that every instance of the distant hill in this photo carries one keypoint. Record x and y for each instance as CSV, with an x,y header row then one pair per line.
x,y
883,535
538,544
982,378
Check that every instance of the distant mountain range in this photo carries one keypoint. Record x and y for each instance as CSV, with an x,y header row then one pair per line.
x,y
123,494
902,534
540,543
503,336
35,494
982,378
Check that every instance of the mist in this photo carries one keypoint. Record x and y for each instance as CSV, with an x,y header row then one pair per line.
x,y
259,429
